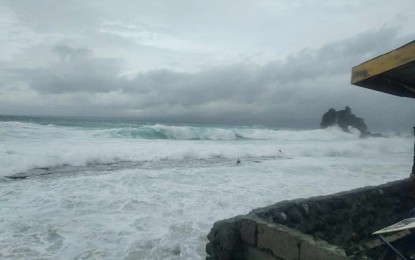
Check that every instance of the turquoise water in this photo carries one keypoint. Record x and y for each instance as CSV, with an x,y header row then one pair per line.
x,y
122,189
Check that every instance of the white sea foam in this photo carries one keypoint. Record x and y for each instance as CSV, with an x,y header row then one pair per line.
x,y
158,197
26,146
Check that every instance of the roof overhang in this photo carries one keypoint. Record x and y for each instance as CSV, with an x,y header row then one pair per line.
x,y
392,72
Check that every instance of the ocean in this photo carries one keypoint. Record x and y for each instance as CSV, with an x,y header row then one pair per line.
x,y
78,188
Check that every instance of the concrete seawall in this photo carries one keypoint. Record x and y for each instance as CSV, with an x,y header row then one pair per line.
x,y
315,228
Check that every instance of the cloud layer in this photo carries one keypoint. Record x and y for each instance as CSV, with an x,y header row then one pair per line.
x,y
60,76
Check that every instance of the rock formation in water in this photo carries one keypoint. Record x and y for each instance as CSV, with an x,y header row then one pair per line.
x,y
345,119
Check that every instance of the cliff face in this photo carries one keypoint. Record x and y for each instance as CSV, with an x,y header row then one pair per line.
x,y
345,119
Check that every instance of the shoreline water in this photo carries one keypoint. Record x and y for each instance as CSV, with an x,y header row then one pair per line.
x,y
118,195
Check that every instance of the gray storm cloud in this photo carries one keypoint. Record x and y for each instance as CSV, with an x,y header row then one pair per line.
x,y
290,92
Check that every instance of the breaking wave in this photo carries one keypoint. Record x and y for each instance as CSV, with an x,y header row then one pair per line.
x,y
26,146
170,132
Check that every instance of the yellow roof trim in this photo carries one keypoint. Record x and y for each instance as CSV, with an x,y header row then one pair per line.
x,y
383,63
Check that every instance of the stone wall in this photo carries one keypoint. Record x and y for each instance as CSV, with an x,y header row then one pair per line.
x,y
315,228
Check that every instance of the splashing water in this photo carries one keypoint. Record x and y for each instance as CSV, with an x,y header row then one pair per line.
x,y
121,190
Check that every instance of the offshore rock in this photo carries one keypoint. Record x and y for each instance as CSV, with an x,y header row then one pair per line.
x,y
346,119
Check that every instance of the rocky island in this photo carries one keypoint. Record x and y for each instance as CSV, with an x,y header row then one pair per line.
x,y
345,119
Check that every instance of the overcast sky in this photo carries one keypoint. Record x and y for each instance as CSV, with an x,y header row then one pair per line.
x,y
281,63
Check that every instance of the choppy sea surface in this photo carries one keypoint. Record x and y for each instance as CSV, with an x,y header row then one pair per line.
x,y
75,188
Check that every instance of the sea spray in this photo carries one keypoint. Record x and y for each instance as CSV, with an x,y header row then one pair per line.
x,y
122,190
